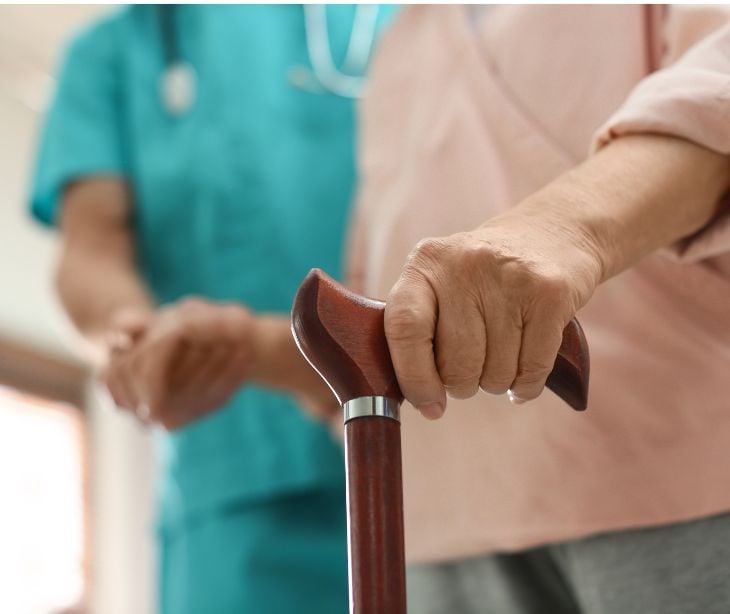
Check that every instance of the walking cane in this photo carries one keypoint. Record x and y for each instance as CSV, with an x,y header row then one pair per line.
x,y
341,334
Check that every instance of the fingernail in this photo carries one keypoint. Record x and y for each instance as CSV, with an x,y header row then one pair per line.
x,y
143,412
514,399
432,411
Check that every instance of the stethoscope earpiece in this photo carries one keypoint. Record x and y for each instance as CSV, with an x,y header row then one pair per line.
x,y
178,86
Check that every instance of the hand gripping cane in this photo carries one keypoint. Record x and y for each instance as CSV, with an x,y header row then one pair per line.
x,y
341,334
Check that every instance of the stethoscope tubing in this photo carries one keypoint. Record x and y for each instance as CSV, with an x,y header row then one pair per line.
x,y
179,80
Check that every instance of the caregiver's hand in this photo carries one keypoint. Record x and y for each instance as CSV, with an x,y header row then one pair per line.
x,y
181,362
487,308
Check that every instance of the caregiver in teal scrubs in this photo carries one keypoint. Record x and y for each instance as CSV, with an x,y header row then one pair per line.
x,y
194,152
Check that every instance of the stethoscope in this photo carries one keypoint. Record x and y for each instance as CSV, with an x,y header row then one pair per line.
x,y
178,84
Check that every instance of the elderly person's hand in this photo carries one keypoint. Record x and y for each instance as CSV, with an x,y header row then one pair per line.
x,y
181,362
486,308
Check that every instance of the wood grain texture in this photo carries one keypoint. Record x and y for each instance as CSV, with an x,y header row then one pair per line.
x,y
376,552
342,336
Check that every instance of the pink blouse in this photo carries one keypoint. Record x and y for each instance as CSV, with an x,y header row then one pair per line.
x,y
459,123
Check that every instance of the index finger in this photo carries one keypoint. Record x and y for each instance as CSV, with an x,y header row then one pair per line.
x,y
411,313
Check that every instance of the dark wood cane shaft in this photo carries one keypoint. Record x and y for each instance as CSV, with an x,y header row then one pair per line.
x,y
375,512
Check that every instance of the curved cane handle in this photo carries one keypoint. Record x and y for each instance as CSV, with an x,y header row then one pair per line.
x,y
571,371
342,336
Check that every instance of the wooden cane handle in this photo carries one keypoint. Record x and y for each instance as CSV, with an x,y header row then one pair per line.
x,y
342,336
571,371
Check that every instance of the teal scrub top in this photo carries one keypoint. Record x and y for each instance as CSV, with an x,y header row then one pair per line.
x,y
235,201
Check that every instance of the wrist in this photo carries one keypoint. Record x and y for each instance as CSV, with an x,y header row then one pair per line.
x,y
644,192
581,224
558,226
271,351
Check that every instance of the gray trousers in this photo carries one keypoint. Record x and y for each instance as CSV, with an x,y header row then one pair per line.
x,y
677,569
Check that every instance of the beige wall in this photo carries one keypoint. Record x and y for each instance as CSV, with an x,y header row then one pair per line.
x,y
121,461
30,39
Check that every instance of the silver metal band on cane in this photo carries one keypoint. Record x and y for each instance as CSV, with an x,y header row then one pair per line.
x,y
363,407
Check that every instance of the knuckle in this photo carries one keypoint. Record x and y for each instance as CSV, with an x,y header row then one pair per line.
x,y
477,253
414,378
404,321
459,380
427,249
186,332
532,377
459,359
534,369
237,320
534,276
192,305
233,312
495,384
551,288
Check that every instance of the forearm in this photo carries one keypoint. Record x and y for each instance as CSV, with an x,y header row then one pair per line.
x,y
97,277
96,290
638,194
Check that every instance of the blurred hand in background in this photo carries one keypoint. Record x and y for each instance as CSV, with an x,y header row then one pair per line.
x,y
181,362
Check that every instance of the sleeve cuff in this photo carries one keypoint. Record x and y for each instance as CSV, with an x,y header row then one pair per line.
x,y
689,100
45,200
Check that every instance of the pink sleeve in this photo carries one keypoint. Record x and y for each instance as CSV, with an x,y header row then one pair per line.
x,y
688,99
355,253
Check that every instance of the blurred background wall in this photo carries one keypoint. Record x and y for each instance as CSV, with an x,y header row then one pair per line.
x,y
59,432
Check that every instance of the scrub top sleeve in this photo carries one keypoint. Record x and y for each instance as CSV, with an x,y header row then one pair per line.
x,y
691,100
83,134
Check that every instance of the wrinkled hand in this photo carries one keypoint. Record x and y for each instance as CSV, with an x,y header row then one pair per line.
x,y
487,308
182,362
